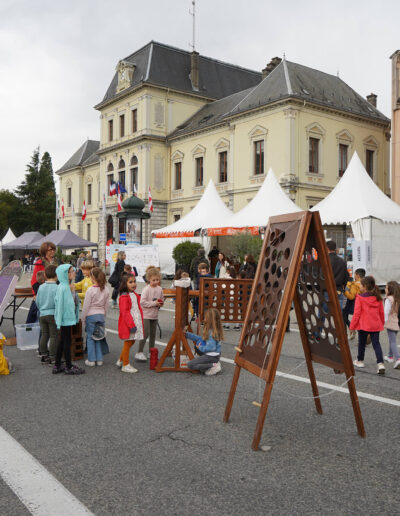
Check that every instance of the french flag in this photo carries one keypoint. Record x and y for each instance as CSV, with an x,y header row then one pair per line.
x,y
113,188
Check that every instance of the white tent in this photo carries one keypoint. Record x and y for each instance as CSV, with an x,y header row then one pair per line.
x,y
9,237
270,200
208,210
358,201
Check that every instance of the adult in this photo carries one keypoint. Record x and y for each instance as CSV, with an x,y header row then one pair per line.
x,y
339,269
249,266
80,260
222,267
213,257
115,278
194,264
46,257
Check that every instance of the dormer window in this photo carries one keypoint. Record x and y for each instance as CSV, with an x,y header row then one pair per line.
x,y
125,74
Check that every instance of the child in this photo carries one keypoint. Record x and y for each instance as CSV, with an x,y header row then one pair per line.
x,y
130,322
208,347
66,314
82,286
351,291
6,366
152,299
392,303
129,269
369,319
182,279
94,312
203,272
45,301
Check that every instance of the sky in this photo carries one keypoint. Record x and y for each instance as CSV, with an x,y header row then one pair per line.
x,y
58,57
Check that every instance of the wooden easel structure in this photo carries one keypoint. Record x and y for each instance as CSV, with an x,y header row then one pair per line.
x,y
178,338
293,266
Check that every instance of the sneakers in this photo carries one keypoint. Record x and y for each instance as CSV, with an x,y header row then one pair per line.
x,y
237,328
128,369
397,364
381,368
45,359
119,363
74,370
140,357
57,369
99,363
214,369
226,327
388,359
89,363
359,363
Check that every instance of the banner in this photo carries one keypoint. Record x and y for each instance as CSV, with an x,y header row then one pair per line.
x,y
139,256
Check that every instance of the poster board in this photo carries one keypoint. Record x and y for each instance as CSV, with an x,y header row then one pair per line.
x,y
7,287
139,256
293,266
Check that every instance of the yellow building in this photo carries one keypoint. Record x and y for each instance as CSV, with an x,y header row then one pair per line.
x,y
172,120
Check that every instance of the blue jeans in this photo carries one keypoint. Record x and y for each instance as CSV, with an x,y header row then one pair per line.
x,y
362,340
94,347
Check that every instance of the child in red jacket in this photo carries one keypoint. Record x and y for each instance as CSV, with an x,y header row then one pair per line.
x,y
130,322
369,319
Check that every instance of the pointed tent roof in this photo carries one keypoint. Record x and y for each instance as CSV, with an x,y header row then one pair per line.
x,y
8,237
209,209
355,197
28,240
270,200
66,239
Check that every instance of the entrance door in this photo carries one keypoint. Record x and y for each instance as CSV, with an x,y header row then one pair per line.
x,y
110,228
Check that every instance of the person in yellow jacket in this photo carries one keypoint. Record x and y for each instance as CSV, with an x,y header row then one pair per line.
x,y
82,286
351,292
6,366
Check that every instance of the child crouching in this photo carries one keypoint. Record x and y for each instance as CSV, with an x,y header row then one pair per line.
x,y
209,347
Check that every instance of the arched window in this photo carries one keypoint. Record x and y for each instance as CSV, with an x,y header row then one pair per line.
x,y
110,176
134,174
121,172
110,228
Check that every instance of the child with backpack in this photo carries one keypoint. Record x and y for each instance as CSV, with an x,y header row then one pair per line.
x,y
351,291
392,304
368,319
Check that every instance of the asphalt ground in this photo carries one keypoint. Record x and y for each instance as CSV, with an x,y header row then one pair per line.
x,y
155,443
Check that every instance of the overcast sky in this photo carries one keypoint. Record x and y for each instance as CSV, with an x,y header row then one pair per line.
x,y
57,57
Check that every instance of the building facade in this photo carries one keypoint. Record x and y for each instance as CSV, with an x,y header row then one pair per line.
x,y
172,120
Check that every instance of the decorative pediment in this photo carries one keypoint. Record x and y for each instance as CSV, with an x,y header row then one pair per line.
x,y
88,179
315,130
257,132
222,143
345,136
199,149
177,155
68,183
125,72
371,141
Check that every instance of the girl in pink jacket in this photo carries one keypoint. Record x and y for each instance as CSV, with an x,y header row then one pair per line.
x,y
369,319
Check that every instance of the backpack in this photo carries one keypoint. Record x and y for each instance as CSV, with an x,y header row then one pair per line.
x,y
113,279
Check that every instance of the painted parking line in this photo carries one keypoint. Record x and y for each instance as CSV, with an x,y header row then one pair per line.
x,y
40,492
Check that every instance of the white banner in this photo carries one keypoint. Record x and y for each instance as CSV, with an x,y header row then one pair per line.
x,y
139,256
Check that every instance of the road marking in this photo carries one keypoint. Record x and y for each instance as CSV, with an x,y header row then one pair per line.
x,y
40,492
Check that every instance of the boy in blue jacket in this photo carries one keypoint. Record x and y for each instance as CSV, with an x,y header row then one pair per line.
x,y
66,314
209,347
45,301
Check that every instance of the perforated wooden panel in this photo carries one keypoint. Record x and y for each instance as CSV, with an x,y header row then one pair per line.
x,y
230,297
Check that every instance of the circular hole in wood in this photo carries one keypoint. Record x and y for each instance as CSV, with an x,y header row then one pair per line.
x,y
332,322
214,304
222,310
279,294
309,299
255,307
231,292
230,317
232,285
272,308
266,277
331,339
285,272
308,324
262,300
223,285
268,286
280,256
268,299
300,289
323,333
317,311
316,298
272,236
279,272
282,237
273,268
305,306
275,285
286,253
302,278
307,257
267,263
313,320
264,313
316,286
267,250
274,253
326,323
258,289
315,271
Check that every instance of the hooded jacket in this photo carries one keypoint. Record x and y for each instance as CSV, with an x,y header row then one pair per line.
x,y
66,311
368,313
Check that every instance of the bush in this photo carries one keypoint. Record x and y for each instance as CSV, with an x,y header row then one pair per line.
x,y
184,253
237,246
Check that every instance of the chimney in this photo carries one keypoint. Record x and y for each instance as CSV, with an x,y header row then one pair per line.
x,y
194,70
270,66
372,99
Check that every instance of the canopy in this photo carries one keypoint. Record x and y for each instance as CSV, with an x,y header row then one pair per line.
x,y
8,237
28,240
208,210
66,239
355,197
270,200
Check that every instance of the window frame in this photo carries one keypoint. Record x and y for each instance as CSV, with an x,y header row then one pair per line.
x,y
122,125
342,168
110,130
258,169
370,162
89,194
88,231
134,125
223,170
312,154
69,196
178,171
199,171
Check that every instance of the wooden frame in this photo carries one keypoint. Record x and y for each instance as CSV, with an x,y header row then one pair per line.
x,y
293,266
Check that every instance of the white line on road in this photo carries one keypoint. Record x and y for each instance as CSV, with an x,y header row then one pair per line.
x,y
40,492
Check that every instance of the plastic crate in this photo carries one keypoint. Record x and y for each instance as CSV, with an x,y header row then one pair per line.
x,y
27,336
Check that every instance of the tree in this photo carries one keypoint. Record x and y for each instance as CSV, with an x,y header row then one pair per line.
x,y
37,194
184,253
243,243
10,213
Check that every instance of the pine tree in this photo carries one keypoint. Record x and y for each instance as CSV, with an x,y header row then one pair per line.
x,y
37,194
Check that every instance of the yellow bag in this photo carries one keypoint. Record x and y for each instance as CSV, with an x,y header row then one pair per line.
x,y
3,361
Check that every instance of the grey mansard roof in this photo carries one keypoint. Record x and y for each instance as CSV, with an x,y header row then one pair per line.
x,y
169,67
287,80
85,155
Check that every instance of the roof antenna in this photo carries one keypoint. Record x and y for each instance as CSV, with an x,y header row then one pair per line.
x,y
193,14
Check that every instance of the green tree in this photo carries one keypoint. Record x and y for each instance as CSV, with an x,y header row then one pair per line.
x,y
37,194
239,245
10,213
184,253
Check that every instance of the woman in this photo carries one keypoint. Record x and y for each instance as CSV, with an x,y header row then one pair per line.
x,y
115,278
222,266
47,251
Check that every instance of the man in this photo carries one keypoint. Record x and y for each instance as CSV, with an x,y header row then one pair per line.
x,y
339,269
194,265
